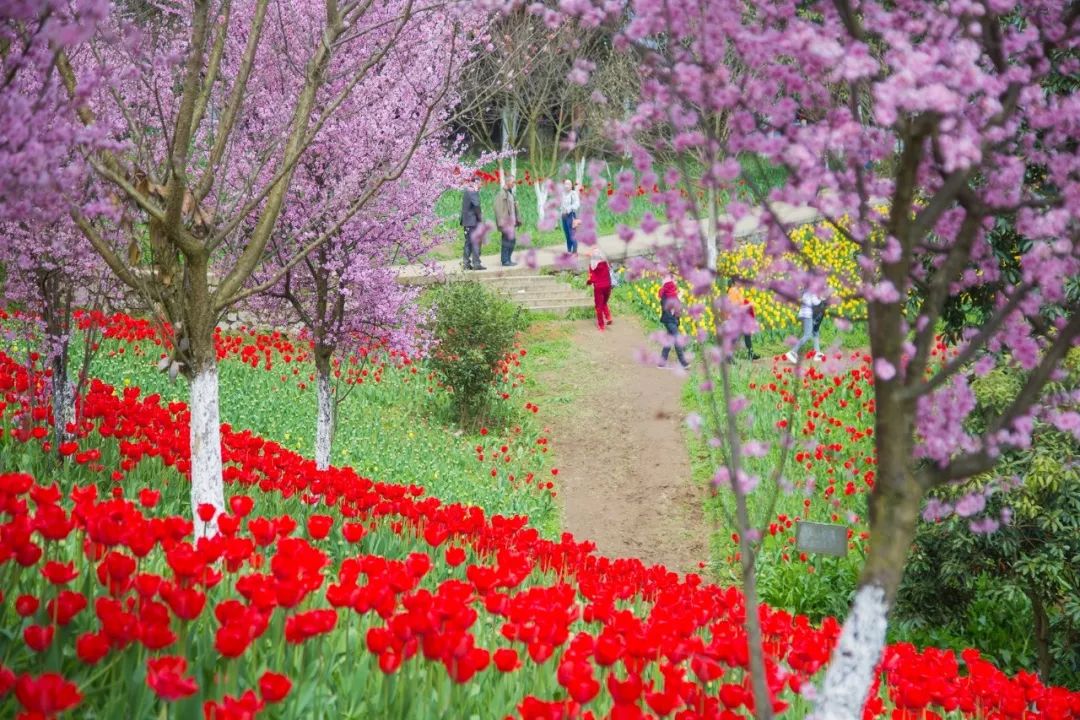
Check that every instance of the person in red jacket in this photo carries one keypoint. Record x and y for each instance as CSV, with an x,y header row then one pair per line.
x,y
670,312
600,279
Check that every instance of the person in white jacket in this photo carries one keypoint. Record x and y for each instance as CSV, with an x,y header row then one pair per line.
x,y
811,313
571,204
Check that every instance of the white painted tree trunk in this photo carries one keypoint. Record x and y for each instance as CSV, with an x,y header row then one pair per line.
x,y
579,171
541,198
510,120
851,669
711,230
207,486
324,422
63,390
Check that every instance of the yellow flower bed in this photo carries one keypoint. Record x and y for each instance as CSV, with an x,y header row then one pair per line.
x,y
834,254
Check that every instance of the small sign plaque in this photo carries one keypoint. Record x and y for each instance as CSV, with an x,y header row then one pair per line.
x,y
822,538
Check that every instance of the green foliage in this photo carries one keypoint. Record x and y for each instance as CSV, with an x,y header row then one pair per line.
x,y
475,330
1031,567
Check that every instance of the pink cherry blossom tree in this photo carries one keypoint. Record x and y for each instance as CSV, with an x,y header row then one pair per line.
x,y
49,272
38,131
43,258
213,106
346,294
911,128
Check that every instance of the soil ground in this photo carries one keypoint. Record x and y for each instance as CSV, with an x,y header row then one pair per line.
x,y
617,433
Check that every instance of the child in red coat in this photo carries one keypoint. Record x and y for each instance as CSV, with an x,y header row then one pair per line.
x,y
600,279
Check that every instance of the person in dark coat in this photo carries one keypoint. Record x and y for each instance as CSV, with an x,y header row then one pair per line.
x,y
470,218
507,220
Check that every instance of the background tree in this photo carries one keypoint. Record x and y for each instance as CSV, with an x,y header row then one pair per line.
x,y
346,294
49,272
536,106
956,113
217,104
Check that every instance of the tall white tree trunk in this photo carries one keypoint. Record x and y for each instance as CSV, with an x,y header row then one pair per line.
x,y
324,421
206,478
579,171
541,198
711,229
509,119
851,670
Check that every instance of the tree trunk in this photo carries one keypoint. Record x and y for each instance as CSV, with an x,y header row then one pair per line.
x,y
711,254
894,514
758,684
207,486
206,479
541,199
579,171
324,418
63,390
1042,635
57,294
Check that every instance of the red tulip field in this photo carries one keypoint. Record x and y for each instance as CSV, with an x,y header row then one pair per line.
x,y
333,594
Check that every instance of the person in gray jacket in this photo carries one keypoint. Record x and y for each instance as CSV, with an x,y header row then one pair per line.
x,y
506,218
470,218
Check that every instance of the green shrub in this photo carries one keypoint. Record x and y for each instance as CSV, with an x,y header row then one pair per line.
x,y
1028,569
474,330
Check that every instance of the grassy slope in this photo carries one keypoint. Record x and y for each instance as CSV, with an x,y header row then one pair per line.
x,y
394,430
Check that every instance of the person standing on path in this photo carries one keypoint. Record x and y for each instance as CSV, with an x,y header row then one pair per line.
x,y
470,218
736,297
811,313
506,217
670,311
571,204
600,279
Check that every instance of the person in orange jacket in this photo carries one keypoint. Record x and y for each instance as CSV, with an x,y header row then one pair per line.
x,y
736,297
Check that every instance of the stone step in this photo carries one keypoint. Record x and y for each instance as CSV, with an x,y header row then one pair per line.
x,y
547,294
524,280
556,307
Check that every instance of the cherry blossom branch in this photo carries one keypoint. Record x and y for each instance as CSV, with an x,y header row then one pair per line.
x,y
987,457
971,347
213,65
227,120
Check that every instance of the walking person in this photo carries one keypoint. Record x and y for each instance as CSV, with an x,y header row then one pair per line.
x,y
470,218
670,311
600,279
811,313
571,204
736,297
506,217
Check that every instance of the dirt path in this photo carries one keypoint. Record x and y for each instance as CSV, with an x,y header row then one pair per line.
x,y
623,466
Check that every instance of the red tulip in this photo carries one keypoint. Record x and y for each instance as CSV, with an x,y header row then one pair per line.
x,y
274,687
39,637
165,676
47,694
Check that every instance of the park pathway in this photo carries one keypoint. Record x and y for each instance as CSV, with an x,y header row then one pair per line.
x,y
624,471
